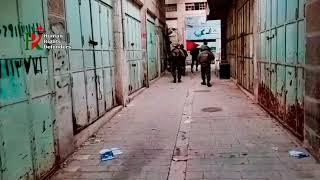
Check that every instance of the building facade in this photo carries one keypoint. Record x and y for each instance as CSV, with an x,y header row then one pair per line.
x,y
178,10
66,67
187,20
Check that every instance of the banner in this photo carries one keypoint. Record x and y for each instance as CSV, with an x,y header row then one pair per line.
x,y
198,28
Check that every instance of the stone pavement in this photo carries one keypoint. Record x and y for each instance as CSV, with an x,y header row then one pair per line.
x,y
165,134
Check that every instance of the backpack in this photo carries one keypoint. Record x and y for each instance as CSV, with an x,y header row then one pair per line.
x,y
204,57
177,53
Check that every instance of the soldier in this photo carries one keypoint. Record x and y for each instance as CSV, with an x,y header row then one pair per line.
x,y
205,58
185,58
194,54
177,60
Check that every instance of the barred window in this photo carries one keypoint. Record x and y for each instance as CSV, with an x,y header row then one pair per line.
x,y
196,6
171,7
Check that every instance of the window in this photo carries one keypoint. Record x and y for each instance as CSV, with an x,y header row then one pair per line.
x,y
171,7
196,6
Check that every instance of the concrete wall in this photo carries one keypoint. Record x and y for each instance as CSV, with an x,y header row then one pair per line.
x,y
312,73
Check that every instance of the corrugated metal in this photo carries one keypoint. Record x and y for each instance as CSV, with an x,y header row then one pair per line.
x,y
281,79
133,48
26,98
91,59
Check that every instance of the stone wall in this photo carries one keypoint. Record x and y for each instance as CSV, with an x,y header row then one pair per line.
x,y
312,74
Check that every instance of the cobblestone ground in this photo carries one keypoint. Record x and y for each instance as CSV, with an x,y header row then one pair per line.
x,y
167,121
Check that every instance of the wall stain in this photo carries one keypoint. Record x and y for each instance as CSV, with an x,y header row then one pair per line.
x,y
292,116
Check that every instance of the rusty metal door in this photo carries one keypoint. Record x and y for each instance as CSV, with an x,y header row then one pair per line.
x,y
107,57
104,60
133,48
245,73
89,24
26,93
282,40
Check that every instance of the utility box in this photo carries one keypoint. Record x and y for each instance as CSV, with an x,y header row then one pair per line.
x,y
224,72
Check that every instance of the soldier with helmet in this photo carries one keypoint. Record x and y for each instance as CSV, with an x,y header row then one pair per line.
x,y
177,62
205,58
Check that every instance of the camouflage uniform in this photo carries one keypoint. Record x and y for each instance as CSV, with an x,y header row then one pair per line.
x,y
195,54
177,60
205,58
185,53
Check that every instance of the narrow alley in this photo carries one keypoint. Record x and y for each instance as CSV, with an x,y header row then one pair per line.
x,y
188,131
91,89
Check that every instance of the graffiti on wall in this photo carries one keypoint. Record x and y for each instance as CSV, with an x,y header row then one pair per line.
x,y
18,30
11,67
59,55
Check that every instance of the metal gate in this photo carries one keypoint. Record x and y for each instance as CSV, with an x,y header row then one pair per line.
x,y
162,49
232,42
26,95
152,52
92,64
281,61
133,46
245,75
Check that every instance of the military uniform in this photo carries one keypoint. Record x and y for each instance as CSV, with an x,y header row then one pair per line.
x,y
195,54
185,53
177,61
205,58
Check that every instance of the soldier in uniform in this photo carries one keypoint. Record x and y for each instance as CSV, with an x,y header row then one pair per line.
x,y
195,54
185,53
205,58
177,60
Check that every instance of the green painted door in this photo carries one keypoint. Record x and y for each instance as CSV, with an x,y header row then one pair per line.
x,y
281,63
89,24
133,47
26,94
152,52
162,46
